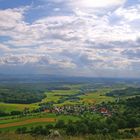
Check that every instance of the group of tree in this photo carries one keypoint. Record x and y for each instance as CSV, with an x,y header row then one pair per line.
x,y
130,91
21,96
128,119
83,127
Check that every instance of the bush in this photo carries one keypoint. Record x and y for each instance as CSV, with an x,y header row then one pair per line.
x,y
71,129
21,130
60,124
39,130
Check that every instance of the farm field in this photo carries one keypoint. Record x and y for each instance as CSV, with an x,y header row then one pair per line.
x,y
8,107
56,95
13,124
69,69
65,103
29,121
96,97
51,96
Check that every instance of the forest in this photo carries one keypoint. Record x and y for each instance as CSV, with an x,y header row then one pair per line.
x,y
130,91
21,96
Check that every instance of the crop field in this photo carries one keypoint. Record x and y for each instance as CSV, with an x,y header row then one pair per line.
x,y
38,119
7,107
11,123
29,121
67,103
55,95
96,97
51,96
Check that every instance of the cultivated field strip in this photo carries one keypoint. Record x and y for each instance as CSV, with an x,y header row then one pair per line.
x,y
29,121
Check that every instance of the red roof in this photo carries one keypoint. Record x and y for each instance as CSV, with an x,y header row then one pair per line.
x,y
103,110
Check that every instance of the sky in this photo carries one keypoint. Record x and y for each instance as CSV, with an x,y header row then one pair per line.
x,y
90,38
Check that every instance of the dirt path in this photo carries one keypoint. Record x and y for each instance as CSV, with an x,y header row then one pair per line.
x,y
29,121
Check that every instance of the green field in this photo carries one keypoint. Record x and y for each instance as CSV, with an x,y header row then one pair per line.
x,y
80,95
89,97
19,107
38,117
53,96
96,97
56,95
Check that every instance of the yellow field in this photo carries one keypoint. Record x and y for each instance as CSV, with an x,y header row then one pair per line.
x,y
20,107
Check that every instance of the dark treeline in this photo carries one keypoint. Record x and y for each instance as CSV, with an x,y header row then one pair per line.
x,y
131,91
78,128
20,95
134,102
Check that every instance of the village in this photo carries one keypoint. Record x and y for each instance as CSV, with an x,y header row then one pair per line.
x,y
78,110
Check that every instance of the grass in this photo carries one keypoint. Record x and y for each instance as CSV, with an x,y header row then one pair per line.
x,y
29,121
14,136
42,115
19,107
52,96
12,119
92,97
55,95
96,97
36,119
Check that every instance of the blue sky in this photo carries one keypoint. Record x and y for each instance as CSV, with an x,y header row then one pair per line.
x,y
96,38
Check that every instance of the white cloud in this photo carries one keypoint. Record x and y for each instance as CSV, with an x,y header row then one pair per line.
x,y
11,17
130,14
36,60
89,3
96,3
83,39
4,48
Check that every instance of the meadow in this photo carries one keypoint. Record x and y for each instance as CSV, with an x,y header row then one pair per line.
x,y
54,96
64,96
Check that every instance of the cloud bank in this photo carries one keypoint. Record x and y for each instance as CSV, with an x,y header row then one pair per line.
x,y
83,38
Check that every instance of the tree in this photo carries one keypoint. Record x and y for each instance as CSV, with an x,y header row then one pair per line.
x,y
132,122
15,112
39,130
133,132
121,123
60,124
71,129
82,128
21,130
113,127
49,126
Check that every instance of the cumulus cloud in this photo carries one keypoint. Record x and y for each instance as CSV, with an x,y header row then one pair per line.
x,y
4,48
132,53
90,3
131,13
85,39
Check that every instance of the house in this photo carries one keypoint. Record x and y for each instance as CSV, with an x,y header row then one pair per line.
x,y
104,111
47,111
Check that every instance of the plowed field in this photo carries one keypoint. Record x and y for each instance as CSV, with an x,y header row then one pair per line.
x,y
37,120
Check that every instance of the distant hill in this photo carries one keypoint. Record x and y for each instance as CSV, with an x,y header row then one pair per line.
x,y
43,78
131,91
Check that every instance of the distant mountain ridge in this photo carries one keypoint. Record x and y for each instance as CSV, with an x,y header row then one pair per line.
x,y
35,78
